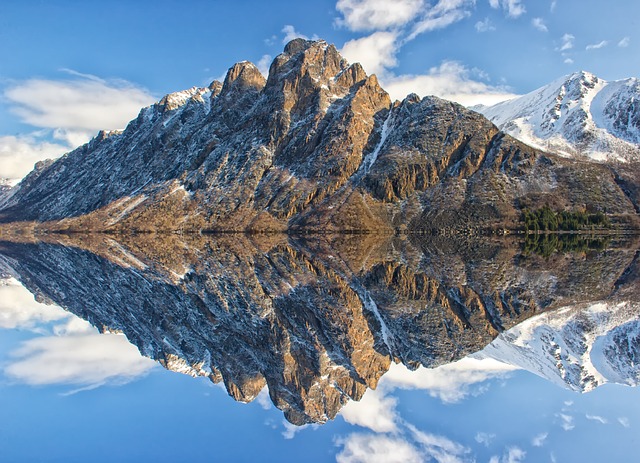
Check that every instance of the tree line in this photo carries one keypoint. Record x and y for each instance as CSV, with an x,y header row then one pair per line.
x,y
547,220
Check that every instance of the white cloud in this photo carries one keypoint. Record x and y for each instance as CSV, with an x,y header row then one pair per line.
x,y
597,418
290,430
290,33
624,42
511,455
370,15
263,398
539,24
515,455
512,8
18,154
441,15
485,438
263,65
373,411
19,309
567,42
451,383
566,421
624,421
538,441
451,80
71,110
568,61
485,26
375,52
77,355
597,46
83,105
439,448
553,6
371,448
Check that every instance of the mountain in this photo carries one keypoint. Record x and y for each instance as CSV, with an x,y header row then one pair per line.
x,y
579,348
316,146
579,115
318,319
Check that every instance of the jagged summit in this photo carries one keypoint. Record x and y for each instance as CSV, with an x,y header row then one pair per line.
x,y
317,146
577,115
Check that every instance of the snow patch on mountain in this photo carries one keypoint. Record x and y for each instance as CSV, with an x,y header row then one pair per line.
x,y
577,347
579,115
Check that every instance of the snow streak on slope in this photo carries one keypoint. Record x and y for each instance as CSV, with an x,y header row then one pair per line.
x,y
579,348
578,115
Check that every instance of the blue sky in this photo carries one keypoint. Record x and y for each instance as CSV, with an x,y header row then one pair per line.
x,y
70,68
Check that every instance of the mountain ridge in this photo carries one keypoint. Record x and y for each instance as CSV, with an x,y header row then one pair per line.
x,y
316,146
576,115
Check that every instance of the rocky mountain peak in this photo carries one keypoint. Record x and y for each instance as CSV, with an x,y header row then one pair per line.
x,y
174,100
242,77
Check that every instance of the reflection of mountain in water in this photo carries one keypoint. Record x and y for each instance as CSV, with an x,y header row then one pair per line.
x,y
316,319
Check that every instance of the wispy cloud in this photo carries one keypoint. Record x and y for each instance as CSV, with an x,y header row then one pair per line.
x,y
87,360
85,104
597,418
263,64
441,15
485,25
511,455
70,110
597,46
512,8
18,154
19,309
566,421
539,440
624,42
450,80
539,24
370,15
397,23
291,33
485,438
372,448
568,61
566,42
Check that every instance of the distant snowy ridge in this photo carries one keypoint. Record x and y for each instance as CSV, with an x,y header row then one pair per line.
x,y
580,348
578,115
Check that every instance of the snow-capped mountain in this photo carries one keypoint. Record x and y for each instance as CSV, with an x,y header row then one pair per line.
x,y
579,115
580,348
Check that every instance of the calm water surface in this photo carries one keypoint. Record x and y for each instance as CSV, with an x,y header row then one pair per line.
x,y
360,348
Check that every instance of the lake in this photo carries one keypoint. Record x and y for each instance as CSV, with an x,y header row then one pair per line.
x,y
340,348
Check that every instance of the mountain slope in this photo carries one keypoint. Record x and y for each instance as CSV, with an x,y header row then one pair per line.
x,y
318,146
579,348
579,115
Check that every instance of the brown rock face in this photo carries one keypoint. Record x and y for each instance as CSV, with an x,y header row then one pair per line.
x,y
317,146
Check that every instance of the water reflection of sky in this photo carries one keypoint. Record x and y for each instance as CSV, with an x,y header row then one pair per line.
x,y
71,394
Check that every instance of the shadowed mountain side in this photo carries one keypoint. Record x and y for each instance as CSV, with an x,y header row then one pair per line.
x,y
316,319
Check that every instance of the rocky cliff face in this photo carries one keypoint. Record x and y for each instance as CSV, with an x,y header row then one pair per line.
x,y
317,320
318,145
